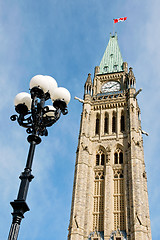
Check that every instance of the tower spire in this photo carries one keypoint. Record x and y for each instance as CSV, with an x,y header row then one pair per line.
x,y
112,59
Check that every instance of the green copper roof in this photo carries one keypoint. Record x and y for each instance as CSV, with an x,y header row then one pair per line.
x,y
112,59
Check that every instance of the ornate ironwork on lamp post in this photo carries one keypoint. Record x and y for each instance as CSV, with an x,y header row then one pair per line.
x,y
35,116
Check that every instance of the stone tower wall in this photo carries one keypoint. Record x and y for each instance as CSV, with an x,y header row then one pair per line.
x,y
136,209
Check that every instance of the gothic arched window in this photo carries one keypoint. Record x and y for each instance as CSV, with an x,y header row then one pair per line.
x,y
100,158
118,156
106,121
97,130
114,122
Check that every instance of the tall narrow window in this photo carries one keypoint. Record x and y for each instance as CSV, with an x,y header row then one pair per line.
x,y
118,157
97,124
119,217
98,211
122,122
139,115
97,159
114,122
100,158
106,121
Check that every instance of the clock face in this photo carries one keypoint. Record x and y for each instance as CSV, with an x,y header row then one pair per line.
x,y
111,86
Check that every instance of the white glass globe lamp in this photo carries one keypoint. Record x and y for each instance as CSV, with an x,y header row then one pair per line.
x,y
23,98
61,93
41,82
52,84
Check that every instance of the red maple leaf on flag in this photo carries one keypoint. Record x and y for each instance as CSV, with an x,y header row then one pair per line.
x,y
120,19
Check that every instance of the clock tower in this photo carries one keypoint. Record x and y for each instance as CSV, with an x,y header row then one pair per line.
x,y
110,198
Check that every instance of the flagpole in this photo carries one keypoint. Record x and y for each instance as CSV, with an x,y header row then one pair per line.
x,y
113,27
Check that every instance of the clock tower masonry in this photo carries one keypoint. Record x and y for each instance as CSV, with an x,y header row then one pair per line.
x,y
110,198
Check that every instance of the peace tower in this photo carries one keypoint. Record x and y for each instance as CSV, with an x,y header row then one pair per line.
x,y
110,198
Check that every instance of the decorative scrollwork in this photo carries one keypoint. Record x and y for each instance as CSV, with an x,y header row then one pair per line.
x,y
40,116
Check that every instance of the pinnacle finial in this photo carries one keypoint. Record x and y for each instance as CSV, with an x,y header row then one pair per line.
x,y
89,80
88,85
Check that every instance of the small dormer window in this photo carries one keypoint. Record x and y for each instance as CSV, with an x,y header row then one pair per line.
x,y
106,68
115,67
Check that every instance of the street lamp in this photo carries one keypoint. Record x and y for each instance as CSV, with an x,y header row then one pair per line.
x,y
35,116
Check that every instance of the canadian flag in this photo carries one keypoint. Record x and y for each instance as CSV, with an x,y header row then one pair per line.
x,y
120,19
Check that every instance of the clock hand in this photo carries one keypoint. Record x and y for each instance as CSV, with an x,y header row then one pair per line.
x,y
113,85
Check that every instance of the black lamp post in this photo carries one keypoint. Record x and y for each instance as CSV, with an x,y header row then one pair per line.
x,y
35,117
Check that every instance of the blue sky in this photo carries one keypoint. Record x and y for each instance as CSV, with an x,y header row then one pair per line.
x,y
67,39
